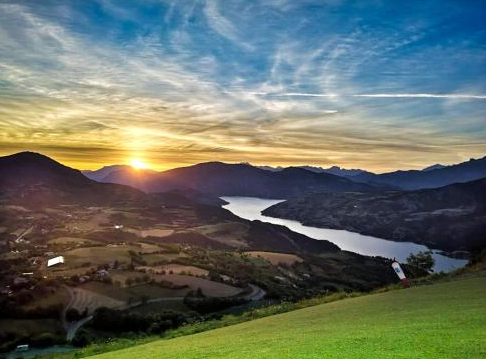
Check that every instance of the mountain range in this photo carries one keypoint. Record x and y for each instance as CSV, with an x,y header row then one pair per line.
x,y
430,177
244,179
222,179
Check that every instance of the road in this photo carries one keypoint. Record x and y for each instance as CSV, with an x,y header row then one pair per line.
x,y
257,293
24,234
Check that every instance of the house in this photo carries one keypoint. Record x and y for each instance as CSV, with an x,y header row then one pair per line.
x,y
55,261
20,280
83,278
102,273
22,348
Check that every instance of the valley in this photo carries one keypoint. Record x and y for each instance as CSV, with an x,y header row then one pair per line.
x,y
84,261
127,254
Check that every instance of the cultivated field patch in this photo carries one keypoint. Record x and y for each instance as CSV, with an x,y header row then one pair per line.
x,y
175,269
276,258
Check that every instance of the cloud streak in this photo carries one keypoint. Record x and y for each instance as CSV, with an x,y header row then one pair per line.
x,y
424,95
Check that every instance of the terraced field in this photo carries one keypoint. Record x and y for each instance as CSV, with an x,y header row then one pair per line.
x,y
89,299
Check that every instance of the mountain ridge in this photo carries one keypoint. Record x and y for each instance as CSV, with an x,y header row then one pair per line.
x,y
450,218
224,179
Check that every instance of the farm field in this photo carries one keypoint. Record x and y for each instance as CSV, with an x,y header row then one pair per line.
x,y
445,320
57,296
91,300
101,255
232,233
124,294
154,232
276,258
175,269
72,240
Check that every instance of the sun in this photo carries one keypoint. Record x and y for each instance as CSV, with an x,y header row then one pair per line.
x,y
138,164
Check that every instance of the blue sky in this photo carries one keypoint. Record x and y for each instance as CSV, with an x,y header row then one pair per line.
x,y
379,85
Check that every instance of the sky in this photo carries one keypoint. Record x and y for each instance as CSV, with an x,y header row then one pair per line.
x,y
378,85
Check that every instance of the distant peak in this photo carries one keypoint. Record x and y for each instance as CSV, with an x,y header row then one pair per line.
x,y
437,166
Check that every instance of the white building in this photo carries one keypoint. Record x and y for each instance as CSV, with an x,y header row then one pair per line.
x,y
53,261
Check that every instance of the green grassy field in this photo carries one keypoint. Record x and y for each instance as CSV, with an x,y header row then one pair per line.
x,y
446,320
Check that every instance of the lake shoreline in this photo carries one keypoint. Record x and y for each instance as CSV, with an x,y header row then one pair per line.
x,y
459,254
251,208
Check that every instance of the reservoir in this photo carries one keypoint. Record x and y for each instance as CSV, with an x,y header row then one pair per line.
x,y
250,208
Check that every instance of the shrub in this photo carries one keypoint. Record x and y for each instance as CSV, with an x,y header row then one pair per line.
x,y
420,264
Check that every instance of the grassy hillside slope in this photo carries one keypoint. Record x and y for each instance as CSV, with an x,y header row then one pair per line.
x,y
446,320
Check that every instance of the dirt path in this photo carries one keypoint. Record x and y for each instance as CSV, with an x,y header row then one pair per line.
x,y
257,293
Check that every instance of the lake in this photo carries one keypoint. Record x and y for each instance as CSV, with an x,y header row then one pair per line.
x,y
250,208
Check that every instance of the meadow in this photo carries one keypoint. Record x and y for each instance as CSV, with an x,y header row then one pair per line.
x,y
444,320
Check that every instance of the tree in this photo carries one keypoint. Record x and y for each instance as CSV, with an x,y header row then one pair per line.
x,y
72,315
420,264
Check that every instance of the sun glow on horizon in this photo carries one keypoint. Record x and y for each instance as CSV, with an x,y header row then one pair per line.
x,y
138,164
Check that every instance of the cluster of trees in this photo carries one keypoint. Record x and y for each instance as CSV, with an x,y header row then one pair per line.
x,y
197,301
118,321
13,309
10,340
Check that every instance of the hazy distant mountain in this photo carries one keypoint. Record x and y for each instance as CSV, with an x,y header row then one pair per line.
x,y
334,170
269,168
223,179
433,167
433,178
101,173
449,218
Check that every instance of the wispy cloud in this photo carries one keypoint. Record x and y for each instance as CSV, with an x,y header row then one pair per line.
x,y
276,82
424,95
223,26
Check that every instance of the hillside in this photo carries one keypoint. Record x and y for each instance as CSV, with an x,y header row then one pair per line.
x,y
33,180
224,179
430,177
449,218
440,321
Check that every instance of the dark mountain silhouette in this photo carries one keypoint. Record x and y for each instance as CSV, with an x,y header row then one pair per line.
x,y
236,180
449,218
34,179
433,178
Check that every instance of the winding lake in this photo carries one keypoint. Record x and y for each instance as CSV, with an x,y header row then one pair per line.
x,y
250,208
